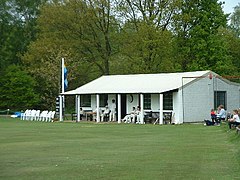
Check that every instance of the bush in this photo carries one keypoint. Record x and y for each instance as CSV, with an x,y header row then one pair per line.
x,y
17,89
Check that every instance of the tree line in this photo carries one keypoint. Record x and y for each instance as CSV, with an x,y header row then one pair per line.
x,y
101,37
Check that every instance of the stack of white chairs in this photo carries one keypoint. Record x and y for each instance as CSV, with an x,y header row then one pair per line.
x,y
32,115
48,116
43,115
26,115
23,115
36,115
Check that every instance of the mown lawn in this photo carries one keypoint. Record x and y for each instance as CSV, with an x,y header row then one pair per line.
x,y
37,150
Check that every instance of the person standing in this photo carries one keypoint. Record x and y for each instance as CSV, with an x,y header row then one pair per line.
x,y
138,113
113,111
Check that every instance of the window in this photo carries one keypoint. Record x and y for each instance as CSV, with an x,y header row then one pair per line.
x,y
86,100
220,99
147,101
168,101
103,100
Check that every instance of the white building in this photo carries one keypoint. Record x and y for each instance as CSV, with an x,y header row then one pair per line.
x,y
189,95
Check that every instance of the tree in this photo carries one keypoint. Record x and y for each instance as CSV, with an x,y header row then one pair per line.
x,y
80,31
146,39
147,50
158,13
235,20
18,89
17,29
197,28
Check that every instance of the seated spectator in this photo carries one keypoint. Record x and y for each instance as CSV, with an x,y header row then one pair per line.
x,y
105,113
213,116
235,121
221,115
130,117
208,123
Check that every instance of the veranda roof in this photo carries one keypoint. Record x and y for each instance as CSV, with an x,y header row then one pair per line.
x,y
138,83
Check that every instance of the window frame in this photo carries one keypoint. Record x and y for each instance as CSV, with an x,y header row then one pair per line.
x,y
147,101
220,100
168,101
86,100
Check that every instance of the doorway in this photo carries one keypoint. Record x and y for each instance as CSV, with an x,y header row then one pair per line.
x,y
123,105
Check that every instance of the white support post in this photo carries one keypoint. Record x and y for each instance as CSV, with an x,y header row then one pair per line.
x,y
78,108
142,110
61,97
161,109
62,80
98,114
119,108
60,109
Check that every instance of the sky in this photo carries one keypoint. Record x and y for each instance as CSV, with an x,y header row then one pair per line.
x,y
229,5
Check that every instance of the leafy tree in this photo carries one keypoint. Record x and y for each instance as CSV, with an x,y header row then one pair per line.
x,y
235,20
18,89
17,29
197,28
147,50
146,39
80,31
153,12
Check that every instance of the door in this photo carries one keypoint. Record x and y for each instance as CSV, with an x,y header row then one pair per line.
x,y
123,105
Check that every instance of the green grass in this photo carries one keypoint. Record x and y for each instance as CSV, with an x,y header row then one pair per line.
x,y
37,150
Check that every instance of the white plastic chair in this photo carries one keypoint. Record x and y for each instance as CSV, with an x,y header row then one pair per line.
x,y
37,115
32,115
43,115
27,115
23,115
50,116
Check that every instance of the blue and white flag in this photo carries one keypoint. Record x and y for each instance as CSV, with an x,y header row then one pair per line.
x,y
65,78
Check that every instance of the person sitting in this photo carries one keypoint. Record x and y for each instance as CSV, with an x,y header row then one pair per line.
x,y
234,121
221,115
105,113
213,116
93,114
128,117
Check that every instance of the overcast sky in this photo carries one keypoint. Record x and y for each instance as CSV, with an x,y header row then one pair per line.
x,y
229,5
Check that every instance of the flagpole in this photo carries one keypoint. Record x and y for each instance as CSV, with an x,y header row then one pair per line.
x,y
62,75
61,100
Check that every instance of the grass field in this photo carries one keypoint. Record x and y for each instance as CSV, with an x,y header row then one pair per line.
x,y
37,150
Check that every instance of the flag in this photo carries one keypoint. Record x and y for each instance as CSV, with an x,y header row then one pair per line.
x,y
65,78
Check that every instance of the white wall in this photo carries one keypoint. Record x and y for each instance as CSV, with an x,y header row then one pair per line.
x,y
198,98
132,104
232,93
155,102
177,107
